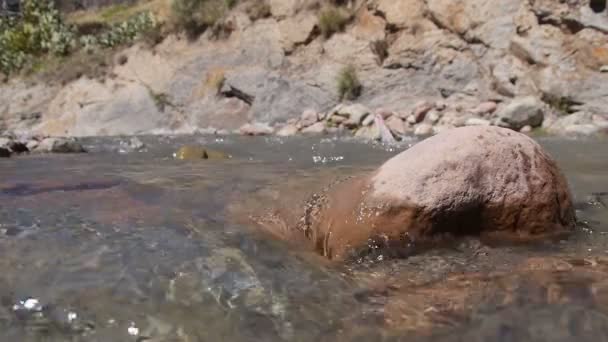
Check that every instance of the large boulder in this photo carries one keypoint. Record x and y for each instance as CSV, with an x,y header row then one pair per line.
x,y
485,181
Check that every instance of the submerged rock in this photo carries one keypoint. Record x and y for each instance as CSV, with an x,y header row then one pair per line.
x,y
4,152
192,152
478,180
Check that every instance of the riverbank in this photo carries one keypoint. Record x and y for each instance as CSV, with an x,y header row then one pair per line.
x,y
423,66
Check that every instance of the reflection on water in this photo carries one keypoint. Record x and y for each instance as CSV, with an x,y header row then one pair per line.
x,y
139,247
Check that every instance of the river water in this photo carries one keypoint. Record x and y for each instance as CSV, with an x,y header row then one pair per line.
x,y
137,246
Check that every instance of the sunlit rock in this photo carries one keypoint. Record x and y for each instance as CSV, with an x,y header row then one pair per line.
x,y
483,181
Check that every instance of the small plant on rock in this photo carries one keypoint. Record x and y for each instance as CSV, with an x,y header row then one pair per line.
x,y
349,86
195,16
258,9
332,20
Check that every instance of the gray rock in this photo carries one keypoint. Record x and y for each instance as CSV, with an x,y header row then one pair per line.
x,y
368,133
59,145
580,123
32,144
355,113
136,144
521,112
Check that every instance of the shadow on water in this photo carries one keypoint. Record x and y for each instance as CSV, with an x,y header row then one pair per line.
x,y
140,247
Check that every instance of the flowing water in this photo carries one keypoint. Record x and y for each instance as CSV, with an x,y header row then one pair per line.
x,y
112,246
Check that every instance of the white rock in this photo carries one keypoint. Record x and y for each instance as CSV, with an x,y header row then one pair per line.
x,y
308,118
423,129
287,131
317,128
477,122
256,129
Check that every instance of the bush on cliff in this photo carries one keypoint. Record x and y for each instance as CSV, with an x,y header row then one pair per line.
x,y
38,31
349,86
332,20
195,16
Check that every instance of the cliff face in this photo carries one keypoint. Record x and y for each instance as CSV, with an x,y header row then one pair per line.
x,y
455,53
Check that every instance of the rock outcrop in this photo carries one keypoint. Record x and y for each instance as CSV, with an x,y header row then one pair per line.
x,y
437,62
484,181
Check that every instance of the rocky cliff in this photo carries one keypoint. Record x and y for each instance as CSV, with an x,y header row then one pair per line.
x,y
516,63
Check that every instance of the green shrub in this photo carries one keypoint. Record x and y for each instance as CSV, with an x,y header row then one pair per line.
x,y
349,86
38,31
121,33
195,16
332,20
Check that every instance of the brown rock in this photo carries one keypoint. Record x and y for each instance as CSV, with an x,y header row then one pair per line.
x,y
486,181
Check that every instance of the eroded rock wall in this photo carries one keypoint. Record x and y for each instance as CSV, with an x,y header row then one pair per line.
x,y
458,54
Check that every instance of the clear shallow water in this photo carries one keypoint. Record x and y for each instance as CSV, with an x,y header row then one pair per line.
x,y
137,246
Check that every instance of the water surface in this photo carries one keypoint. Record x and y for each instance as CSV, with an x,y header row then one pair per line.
x,y
137,246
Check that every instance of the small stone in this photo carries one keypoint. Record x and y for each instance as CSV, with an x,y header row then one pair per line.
x,y
368,120
32,144
337,119
423,130
368,133
477,122
4,142
254,129
308,118
421,109
395,125
604,68
317,128
526,129
355,113
288,130
485,108
4,152
411,119
433,117
136,144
